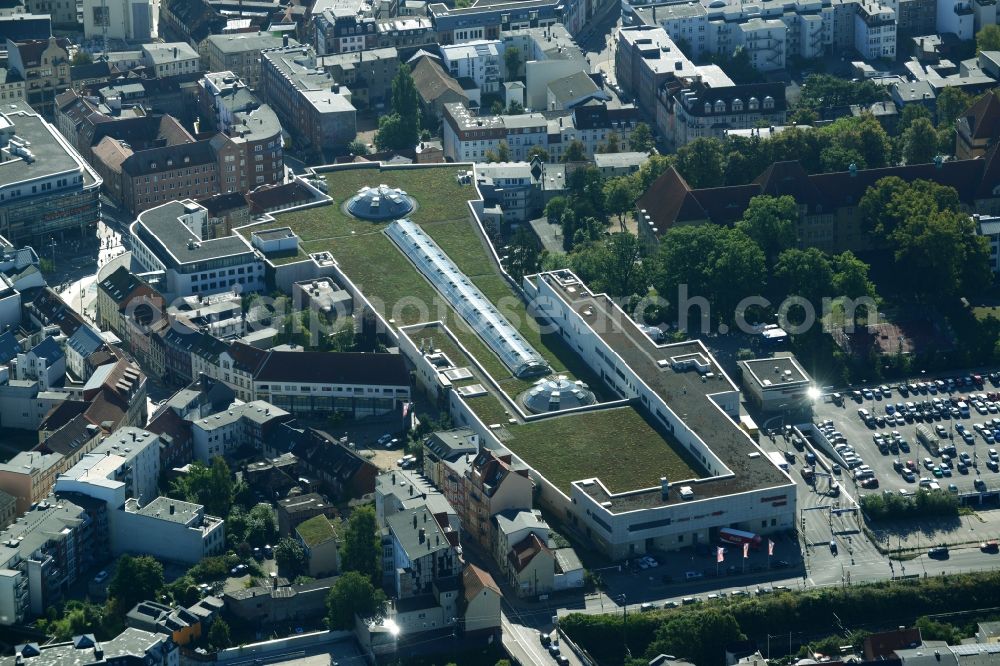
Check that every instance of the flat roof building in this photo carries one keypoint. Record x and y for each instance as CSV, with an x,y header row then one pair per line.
x,y
777,384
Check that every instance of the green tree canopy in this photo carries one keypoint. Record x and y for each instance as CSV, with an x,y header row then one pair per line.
x,y
612,266
541,152
721,264
211,487
352,594
988,38
512,62
850,277
699,639
910,113
135,579
820,91
807,273
951,103
770,222
700,162
619,197
919,142
575,152
641,138
290,557
218,635
362,549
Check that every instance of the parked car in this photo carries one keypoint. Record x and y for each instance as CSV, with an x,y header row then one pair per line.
x,y
991,546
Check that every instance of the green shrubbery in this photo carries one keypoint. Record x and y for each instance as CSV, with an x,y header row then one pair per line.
x,y
923,504
681,632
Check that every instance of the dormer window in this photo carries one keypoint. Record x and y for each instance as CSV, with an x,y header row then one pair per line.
x,y
754,104
708,107
768,102
720,106
737,104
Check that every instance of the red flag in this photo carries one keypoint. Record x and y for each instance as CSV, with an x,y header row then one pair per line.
x,y
770,547
720,554
746,551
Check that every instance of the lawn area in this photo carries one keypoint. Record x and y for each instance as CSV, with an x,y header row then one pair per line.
x,y
617,445
440,198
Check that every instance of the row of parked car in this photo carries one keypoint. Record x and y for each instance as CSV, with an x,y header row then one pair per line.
x,y
929,387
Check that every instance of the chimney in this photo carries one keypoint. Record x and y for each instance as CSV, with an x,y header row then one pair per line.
x,y
414,521
175,52
425,516
172,508
664,487
284,40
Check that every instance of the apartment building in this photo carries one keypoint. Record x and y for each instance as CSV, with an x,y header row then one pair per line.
x,y
480,61
44,552
548,53
248,146
125,464
311,106
168,529
489,19
342,26
875,30
468,137
244,425
29,477
688,109
367,74
239,53
127,20
418,552
171,59
43,65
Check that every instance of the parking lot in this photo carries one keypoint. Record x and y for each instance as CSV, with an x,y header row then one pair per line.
x,y
876,430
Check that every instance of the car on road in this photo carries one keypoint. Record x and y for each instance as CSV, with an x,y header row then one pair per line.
x,y
646,607
687,601
544,638
101,577
992,546
938,553
833,547
671,604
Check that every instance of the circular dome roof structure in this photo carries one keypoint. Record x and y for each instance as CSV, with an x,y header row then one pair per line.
x,y
381,203
557,393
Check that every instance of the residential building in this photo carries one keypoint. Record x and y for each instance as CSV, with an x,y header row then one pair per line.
x,y
59,193
171,58
447,456
150,178
248,146
978,129
125,465
510,185
468,137
44,552
44,363
267,605
149,648
8,509
311,106
80,350
827,202
531,566
168,238
65,15
292,511
613,165
180,624
331,466
367,74
405,32
244,425
342,26
43,65
168,529
11,86
875,30
321,543
418,552
482,602
239,53
436,87
28,477
405,490
127,20
118,297
574,90
548,53
690,109
488,20
479,60
511,528
490,486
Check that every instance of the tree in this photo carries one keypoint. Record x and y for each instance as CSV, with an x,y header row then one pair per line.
x,y
261,528
698,638
891,200
988,39
503,152
406,104
357,147
522,254
393,133
362,549
290,557
619,197
738,66
850,278
612,146
807,273
721,264
352,594
770,222
700,162
575,152
515,108
641,139
611,267
135,579
951,103
555,208
939,256
542,154
211,487
821,91
919,142
910,113
218,635
512,62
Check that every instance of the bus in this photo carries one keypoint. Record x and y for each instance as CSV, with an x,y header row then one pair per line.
x,y
749,427
739,537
